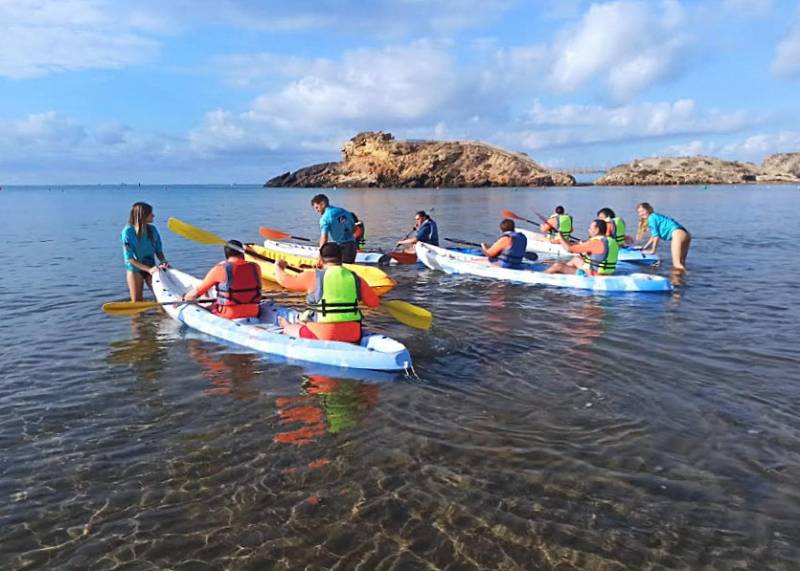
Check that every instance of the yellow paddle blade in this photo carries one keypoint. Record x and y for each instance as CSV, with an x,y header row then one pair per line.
x,y
409,314
193,233
128,307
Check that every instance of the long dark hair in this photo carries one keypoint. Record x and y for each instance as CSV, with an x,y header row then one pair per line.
x,y
140,212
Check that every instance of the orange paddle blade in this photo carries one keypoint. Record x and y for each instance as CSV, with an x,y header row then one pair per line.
x,y
510,214
271,234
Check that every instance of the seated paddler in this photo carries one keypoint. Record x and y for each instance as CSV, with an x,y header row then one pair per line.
x,y
597,256
238,284
333,296
508,251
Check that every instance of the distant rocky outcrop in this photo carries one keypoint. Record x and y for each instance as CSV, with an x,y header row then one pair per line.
x,y
376,159
702,170
783,163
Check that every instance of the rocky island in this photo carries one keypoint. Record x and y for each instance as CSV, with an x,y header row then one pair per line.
x,y
376,159
783,168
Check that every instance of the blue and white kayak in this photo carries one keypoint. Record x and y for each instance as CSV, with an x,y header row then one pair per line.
x,y
538,243
375,352
460,263
307,251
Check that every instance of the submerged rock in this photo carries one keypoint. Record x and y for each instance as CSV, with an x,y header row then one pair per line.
x,y
693,170
376,159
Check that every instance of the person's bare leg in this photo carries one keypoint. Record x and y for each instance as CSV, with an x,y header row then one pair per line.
x,y
679,248
135,285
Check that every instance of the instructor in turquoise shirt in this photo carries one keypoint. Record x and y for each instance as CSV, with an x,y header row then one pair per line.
x,y
663,228
336,225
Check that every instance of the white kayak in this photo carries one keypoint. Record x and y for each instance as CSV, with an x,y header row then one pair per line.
x,y
537,244
308,251
262,333
460,263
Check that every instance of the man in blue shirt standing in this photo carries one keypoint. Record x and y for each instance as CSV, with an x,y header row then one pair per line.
x,y
336,225
427,232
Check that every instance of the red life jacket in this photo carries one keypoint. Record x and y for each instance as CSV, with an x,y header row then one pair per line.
x,y
241,286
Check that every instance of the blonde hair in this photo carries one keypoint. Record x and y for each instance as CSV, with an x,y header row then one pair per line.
x,y
640,232
140,212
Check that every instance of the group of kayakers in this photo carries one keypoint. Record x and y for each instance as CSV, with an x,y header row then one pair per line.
x,y
333,292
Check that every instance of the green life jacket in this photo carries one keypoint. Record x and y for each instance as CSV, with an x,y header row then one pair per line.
x,y
619,233
563,225
604,263
335,298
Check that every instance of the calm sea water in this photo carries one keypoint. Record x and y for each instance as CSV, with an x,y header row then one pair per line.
x,y
547,429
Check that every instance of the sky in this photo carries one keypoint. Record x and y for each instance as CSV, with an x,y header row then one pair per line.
x,y
239,91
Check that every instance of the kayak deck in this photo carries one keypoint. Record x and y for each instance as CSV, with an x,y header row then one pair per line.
x,y
262,333
460,263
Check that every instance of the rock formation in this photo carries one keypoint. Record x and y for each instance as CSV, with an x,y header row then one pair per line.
x,y
783,163
701,170
376,159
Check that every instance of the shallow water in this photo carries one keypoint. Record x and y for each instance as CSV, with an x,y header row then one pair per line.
x,y
547,429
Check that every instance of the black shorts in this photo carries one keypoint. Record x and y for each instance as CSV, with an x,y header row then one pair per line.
x,y
348,252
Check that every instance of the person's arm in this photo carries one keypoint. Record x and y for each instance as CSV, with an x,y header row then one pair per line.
x,y
214,276
159,249
651,245
302,282
368,295
502,243
588,247
324,228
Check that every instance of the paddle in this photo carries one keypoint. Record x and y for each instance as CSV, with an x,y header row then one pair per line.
x,y
530,256
404,312
515,216
134,307
271,234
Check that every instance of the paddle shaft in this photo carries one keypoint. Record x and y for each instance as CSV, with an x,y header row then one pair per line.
x,y
530,256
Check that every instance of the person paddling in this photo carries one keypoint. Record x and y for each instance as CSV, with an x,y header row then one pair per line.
x,y
238,284
333,294
615,225
663,228
558,224
141,244
427,232
598,255
336,225
509,249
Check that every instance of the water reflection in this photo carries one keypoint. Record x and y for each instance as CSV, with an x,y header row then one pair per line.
x,y
325,405
144,352
231,374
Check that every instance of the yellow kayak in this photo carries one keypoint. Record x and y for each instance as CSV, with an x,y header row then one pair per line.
x,y
376,278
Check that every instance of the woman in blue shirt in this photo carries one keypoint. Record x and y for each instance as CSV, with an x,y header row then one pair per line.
x,y
141,244
663,228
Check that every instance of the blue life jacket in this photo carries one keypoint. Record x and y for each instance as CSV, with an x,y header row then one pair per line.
x,y
512,257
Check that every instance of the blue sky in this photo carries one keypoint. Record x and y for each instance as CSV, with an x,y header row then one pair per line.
x,y
236,91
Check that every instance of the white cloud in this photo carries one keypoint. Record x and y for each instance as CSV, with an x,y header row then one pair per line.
x,y
692,148
41,37
758,146
787,55
628,44
575,125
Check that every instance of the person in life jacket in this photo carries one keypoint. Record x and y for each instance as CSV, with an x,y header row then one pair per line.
x,y
597,256
559,223
509,249
335,225
238,285
615,226
426,231
333,294
359,232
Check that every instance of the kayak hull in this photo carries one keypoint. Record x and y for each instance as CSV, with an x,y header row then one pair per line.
x,y
540,246
461,263
376,278
375,352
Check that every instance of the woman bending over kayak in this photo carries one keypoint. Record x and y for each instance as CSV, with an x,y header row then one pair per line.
x,y
141,244
663,228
